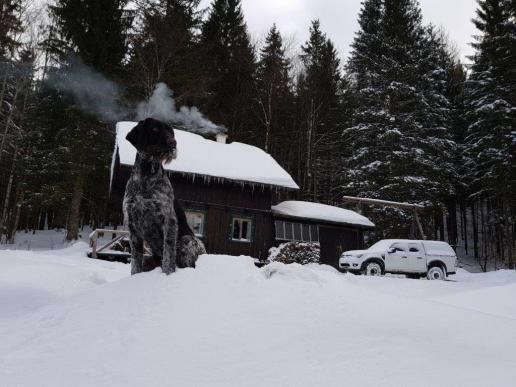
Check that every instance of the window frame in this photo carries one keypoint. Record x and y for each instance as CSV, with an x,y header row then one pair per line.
x,y
249,230
313,229
204,216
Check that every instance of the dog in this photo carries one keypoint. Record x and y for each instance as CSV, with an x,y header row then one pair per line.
x,y
148,204
151,213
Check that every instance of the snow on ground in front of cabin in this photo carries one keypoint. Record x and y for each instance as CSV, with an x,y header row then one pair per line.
x,y
50,239
68,320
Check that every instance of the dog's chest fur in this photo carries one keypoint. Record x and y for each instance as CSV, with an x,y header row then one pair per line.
x,y
149,196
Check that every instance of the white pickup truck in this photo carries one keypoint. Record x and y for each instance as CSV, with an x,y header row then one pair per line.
x,y
433,259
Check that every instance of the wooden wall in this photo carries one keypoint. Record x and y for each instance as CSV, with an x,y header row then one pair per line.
x,y
220,201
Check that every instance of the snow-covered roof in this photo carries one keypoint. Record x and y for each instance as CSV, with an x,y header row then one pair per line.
x,y
210,159
322,212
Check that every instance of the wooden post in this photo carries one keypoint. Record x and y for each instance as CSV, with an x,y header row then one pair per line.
x,y
419,225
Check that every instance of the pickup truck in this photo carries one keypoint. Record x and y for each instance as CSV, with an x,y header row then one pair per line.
x,y
415,258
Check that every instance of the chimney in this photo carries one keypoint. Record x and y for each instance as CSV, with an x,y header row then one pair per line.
x,y
221,137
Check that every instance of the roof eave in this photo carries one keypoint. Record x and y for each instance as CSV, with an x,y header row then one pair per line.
x,y
225,179
355,225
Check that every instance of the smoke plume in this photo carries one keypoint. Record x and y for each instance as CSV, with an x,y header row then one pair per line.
x,y
94,93
101,97
162,106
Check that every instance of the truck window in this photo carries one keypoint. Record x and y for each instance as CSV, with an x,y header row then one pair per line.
x,y
413,248
397,247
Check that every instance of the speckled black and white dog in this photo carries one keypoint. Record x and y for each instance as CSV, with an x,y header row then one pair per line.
x,y
149,205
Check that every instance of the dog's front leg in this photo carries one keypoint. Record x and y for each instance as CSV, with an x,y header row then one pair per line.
x,y
169,249
136,254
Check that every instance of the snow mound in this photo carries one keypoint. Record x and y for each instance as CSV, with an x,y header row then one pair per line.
x,y
228,323
309,210
199,156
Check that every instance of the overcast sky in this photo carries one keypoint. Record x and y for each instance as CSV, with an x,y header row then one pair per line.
x,y
339,19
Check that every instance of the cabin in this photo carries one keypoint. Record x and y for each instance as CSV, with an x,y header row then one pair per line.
x,y
230,193
335,229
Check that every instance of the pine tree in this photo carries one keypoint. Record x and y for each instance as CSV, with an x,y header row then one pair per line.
x,y
319,91
96,32
229,65
275,97
367,45
400,135
166,49
10,25
491,103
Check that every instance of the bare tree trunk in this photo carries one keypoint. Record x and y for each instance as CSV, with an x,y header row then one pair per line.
x,y
75,208
474,221
14,227
8,190
8,122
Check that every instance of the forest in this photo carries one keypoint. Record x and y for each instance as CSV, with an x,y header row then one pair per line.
x,y
401,118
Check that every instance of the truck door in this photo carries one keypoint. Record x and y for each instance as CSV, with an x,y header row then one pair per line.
x,y
416,258
397,258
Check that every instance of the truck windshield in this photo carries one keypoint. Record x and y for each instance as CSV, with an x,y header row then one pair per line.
x,y
381,245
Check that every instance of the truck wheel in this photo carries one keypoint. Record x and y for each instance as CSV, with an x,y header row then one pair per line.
x,y
373,269
436,273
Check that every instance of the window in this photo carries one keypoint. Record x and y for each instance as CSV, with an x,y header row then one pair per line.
x,y
397,247
413,248
280,229
289,231
241,230
195,220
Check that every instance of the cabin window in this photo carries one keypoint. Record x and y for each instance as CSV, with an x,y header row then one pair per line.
x,y
195,220
280,229
241,229
289,231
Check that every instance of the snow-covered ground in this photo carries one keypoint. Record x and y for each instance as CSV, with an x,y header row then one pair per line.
x,y
66,320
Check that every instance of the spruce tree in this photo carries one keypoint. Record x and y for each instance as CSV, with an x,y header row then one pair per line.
x,y
275,95
319,91
96,32
10,25
400,135
229,65
165,49
491,102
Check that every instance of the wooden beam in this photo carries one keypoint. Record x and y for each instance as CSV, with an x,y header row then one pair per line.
x,y
385,203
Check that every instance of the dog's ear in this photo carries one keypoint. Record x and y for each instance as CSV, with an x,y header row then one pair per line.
x,y
136,136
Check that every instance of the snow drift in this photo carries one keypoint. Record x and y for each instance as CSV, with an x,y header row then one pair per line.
x,y
228,323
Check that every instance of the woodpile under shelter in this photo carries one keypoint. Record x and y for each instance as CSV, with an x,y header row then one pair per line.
x,y
230,194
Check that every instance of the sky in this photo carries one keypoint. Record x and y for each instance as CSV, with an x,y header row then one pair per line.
x,y
339,19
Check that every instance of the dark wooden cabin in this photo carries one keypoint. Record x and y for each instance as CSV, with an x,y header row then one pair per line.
x,y
228,192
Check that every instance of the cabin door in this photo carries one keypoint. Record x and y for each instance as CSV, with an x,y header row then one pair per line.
x,y
334,241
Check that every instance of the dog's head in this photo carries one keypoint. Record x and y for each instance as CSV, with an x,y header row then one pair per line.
x,y
155,139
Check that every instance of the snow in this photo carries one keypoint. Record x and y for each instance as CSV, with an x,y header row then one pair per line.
x,y
211,159
438,248
431,247
68,320
322,212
